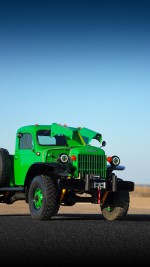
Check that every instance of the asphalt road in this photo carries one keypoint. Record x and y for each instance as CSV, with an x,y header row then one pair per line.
x,y
71,239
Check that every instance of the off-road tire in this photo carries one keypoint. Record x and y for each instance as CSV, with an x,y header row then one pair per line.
x,y
116,205
69,199
50,203
4,166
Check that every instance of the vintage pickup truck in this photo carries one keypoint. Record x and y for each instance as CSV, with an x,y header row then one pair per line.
x,y
56,165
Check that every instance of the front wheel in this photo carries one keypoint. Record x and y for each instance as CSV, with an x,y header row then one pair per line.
x,y
116,205
43,198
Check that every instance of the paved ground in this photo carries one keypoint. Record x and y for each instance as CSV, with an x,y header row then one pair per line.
x,y
77,235
138,205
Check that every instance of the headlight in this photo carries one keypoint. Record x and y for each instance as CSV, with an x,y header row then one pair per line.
x,y
115,160
63,158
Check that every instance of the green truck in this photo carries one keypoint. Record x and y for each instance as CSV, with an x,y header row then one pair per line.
x,y
56,165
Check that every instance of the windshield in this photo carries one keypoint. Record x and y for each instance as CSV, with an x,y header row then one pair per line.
x,y
44,139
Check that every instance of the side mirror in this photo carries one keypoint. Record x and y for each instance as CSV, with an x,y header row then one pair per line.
x,y
19,135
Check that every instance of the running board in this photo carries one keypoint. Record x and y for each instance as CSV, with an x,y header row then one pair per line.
x,y
12,189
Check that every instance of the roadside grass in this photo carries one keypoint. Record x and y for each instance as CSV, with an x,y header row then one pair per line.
x,y
141,191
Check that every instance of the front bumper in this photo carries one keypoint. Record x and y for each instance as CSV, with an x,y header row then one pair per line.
x,y
112,184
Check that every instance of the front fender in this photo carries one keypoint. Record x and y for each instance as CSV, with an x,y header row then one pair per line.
x,y
118,168
54,169
111,168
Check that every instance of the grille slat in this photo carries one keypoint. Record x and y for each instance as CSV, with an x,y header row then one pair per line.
x,y
92,164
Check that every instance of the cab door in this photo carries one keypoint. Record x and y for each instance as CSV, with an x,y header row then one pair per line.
x,y
24,156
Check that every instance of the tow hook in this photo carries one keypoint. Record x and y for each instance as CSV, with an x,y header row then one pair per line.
x,y
98,195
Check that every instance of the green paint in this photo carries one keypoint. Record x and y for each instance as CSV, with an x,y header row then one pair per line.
x,y
109,208
38,198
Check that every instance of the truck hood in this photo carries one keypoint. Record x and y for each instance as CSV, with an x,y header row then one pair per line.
x,y
82,136
87,150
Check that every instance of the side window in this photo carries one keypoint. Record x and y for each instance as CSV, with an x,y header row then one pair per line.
x,y
25,141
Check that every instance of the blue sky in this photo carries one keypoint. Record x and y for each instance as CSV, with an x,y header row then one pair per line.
x,y
81,63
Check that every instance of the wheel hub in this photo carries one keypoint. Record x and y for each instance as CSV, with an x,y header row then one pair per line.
x,y
38,198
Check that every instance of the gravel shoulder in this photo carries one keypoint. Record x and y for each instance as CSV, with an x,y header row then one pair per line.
x,y
138,205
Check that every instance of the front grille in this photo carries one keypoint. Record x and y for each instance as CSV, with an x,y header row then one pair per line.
x,y
92,164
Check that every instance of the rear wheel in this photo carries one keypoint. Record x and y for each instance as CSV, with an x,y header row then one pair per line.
x,y
43,198
4,166
116,205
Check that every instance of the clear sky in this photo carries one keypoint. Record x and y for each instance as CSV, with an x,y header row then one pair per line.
x,y
81,63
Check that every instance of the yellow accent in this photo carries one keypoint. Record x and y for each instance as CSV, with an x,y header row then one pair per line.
x,y
104,197
81,138
62,194
63,191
